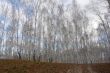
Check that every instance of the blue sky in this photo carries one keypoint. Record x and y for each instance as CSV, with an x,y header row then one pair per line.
x,y
28,9
81,2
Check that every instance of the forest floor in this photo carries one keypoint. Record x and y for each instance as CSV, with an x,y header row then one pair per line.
x,y
18,66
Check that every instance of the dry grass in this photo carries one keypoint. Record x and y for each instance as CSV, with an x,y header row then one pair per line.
x,y
18,66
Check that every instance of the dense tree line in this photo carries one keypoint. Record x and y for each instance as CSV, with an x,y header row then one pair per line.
x,y
47,30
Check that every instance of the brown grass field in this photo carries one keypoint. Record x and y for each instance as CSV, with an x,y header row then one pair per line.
x,y
18,66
